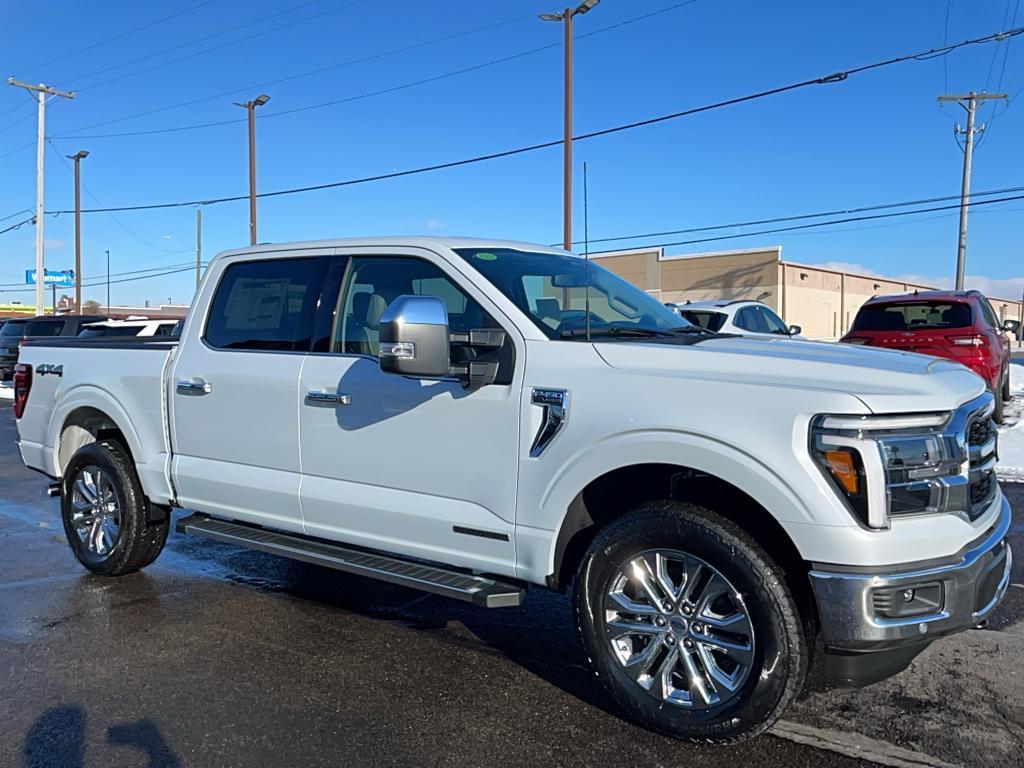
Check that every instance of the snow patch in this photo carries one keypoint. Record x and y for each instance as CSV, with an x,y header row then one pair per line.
x,y
6,391
1011,434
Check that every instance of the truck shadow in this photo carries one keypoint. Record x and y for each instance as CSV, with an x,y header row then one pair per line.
x,y
57,739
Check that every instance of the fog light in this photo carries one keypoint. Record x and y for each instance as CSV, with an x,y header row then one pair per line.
x,y
903,602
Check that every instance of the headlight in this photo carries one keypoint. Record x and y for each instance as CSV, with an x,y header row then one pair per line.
x,y
885,466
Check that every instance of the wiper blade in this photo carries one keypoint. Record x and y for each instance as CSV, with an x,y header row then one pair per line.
x,y
605,332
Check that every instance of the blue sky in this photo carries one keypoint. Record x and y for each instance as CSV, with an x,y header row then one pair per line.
x,y
876,138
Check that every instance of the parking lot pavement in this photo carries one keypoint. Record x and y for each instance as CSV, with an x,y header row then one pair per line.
x,y
221,656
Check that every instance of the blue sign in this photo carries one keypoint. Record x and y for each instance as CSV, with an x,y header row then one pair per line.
x,y
64,278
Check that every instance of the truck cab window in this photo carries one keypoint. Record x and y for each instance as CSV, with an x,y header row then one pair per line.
x,y
266,305
371,283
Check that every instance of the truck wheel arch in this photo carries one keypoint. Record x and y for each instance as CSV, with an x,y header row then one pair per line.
x,y
86,424
617,491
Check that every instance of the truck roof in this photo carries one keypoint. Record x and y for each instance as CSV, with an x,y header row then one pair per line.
x,y
413,241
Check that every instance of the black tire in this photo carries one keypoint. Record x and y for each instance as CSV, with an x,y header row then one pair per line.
x,y
781,653
997,413
136,543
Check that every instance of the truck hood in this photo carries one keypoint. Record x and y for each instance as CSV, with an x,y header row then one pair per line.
x,y
886,381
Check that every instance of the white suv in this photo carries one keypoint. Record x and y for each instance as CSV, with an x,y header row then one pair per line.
x,y
747,318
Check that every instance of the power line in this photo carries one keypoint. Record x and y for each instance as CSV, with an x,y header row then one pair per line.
x,y
818,224
827,79
194,41
116,220
120,35
350,62
102,280
803,216
221,46
30,219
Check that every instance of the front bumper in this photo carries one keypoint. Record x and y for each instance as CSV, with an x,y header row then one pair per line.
x,y
855,606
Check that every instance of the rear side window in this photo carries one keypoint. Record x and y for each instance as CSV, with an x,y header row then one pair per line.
x,y
165,329
712,321
749,319
913,316
988,313
266,305
44,327
14,329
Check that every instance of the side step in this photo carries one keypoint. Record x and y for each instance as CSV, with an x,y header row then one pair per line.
x,y
480,590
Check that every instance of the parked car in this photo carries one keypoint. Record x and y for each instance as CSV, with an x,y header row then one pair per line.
x,y
10,339
747,318
957,325
127,328
444,414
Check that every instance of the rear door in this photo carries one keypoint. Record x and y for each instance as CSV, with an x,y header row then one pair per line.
x,y
424,468
234,389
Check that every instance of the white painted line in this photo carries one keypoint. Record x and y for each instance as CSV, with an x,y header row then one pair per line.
x,y
856,745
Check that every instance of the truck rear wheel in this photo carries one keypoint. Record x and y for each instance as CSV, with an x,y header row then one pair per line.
x,y
690,625
104,512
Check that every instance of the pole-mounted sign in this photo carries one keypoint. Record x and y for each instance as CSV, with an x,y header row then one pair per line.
x,y
64,278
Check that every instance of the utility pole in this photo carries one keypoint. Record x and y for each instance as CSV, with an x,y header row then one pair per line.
x,y
199,244
250,108
39,93
77,157
108,282
566,18
969,102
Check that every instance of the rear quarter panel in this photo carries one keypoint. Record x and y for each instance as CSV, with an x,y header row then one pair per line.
x,y
124,384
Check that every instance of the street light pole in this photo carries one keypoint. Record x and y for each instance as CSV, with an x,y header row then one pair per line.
x,y
108,282
250,108
566,18
78,157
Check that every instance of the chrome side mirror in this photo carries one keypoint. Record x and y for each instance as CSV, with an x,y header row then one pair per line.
x,y
414,337
794,330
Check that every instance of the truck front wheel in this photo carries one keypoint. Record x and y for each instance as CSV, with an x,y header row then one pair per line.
x,y
104,512
689,624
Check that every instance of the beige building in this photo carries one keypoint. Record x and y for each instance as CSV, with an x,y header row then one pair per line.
x,y
823,302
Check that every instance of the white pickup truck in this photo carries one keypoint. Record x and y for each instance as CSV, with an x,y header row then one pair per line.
x,y
469,417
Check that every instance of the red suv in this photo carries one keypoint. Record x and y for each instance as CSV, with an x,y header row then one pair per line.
x,y
958,325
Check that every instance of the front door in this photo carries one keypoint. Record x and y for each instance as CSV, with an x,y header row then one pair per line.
x,y
417,467
234,390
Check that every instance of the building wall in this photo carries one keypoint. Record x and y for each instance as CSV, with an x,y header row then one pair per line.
x,y
823,302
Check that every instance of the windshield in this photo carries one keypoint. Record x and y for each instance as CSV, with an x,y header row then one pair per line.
x,y
551,290
913,316
13,328
713,321
44,328
94,331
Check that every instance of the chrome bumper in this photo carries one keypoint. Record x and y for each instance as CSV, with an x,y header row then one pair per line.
x,y
848,602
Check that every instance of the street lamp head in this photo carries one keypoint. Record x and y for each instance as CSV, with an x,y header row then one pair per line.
x,y
260,100
550,16
80,154
585,6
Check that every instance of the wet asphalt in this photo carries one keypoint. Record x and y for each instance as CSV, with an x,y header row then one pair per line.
x,y
218,656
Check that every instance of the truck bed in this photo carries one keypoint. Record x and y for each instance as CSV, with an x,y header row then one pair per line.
x,y
75,380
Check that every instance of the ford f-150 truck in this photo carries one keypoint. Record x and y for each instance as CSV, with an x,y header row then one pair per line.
x,y
470,417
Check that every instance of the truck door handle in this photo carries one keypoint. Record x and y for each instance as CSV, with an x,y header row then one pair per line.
x,y
195,387
327,399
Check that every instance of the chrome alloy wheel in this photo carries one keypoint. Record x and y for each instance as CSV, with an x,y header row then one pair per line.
x,y
96,510
679,629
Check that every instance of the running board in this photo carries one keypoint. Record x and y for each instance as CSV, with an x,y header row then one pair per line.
x,y
480,590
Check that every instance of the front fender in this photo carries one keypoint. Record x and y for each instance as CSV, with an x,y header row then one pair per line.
x,y
780,496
